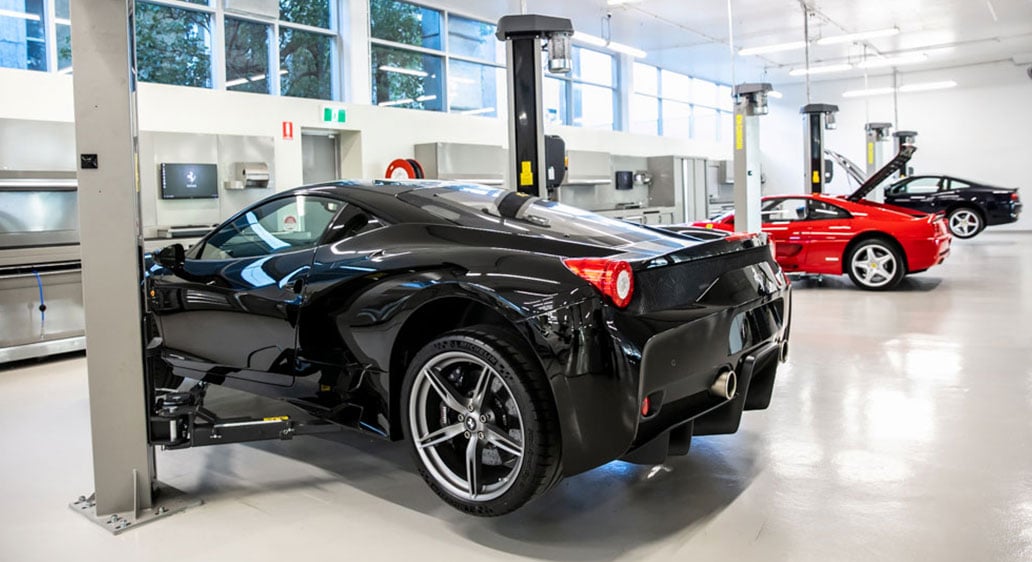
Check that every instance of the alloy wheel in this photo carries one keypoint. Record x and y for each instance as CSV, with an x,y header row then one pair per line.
x,y
874,265
467,427
965,223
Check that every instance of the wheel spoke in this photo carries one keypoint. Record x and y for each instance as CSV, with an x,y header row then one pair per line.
x,y
499,439
446,433
483,384
443,390
473,466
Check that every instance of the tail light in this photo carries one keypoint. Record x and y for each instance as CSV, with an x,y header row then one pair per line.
x,y
613,278
1014,196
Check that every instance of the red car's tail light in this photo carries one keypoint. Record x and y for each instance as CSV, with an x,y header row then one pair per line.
x,y
1014,196
613,277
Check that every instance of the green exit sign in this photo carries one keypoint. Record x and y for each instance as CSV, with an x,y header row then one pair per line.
x,y
334,114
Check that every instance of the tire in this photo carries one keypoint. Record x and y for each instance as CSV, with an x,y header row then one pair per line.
x,y
875,265
512,438
965,222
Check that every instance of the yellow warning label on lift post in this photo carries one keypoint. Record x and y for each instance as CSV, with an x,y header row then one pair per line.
x,y
739,143
870,153
526,175
276,418
816,177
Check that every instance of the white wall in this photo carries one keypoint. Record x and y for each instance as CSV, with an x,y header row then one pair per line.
x,y
981,129
386,133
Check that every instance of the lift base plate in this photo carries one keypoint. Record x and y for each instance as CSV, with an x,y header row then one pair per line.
x,y
167,501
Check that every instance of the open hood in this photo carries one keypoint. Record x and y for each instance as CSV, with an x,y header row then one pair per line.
x,y
854,171
881,175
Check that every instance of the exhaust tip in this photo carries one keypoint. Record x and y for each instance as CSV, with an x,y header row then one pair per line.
x,y
726,385
783,355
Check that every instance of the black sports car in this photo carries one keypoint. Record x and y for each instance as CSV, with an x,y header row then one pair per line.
x,y
511,340
969,206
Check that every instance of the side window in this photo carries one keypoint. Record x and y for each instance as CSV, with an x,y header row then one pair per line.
x,y
922,186
350,221
898,189
781,210
957,184
821,210
292,223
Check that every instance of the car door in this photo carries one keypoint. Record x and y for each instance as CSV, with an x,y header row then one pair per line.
x,y
826,233
232,307
916,193
782,219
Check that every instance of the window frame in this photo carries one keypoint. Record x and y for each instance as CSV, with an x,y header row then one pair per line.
x,y
811,213
444,53
566,93
722,115
768,204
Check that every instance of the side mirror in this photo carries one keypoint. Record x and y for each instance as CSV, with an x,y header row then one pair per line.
x,y
172,256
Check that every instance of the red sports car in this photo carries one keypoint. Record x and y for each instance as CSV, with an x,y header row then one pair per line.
x,y
875,244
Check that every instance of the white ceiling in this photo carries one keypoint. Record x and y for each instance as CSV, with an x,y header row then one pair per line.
x,y
691,36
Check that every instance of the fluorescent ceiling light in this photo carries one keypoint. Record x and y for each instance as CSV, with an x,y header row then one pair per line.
x,y
611,45
794,45
881,62
775,94
919,87
926,86
408,71
396,102
868,92
851,37
255,78
20,15
820,69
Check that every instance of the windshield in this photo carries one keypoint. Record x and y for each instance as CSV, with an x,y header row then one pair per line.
x,y
479,206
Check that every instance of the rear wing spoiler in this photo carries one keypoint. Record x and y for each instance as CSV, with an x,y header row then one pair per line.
x,y
897,163
854,171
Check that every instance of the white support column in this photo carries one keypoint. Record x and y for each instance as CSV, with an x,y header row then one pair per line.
x,y
747,170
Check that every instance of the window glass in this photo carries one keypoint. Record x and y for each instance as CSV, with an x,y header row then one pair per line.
x,y
957,184
677,119
644,114
646,79
477,205
781,210
725,98
821,210
305,59
22,33
475,39
704,92
279,226
592,66
921,186
473,88
705,123
404,78
675,86
352,221
247,56
406,23
315,13
173,45
592,106
553,93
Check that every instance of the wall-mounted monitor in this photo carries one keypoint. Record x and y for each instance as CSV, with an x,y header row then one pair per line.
x,y
189,181
625,180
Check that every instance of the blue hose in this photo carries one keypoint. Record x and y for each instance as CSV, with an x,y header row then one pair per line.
x,y
42,303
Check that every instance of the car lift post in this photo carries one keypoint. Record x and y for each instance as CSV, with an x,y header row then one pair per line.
x,y
126,491
877,135
904,138
816,118
523,35
750,104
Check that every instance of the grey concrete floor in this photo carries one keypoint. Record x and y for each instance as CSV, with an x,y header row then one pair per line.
x,y
899,430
